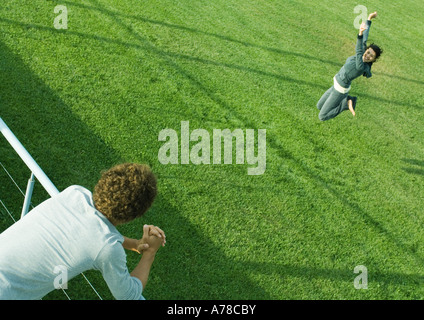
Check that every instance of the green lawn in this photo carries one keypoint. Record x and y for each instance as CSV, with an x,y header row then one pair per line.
x,y
335,194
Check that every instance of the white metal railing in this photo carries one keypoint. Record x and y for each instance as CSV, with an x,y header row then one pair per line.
x,y
36,172
29,161
31,164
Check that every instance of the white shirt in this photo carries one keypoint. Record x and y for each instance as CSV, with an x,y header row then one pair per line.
x,y
65,232
339,88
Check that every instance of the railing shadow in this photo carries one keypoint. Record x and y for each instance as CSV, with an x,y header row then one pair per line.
x,y
144,44
417,166
229,39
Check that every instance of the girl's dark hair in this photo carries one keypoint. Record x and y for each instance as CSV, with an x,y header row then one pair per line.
x,y
378,51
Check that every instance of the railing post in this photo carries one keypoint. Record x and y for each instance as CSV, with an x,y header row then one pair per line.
x,y
28,196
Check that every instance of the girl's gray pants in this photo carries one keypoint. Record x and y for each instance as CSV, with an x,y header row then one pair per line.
x,y
332,103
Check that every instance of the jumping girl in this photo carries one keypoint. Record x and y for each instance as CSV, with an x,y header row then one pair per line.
x,y
336,99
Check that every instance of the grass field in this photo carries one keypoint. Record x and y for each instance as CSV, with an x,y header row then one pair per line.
x,y
335,194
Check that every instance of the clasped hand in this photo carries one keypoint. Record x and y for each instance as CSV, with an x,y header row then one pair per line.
x,y
153,238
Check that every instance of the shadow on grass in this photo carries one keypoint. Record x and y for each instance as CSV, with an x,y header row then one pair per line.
x,y
145,44
417,166
376,276
227,38
70,153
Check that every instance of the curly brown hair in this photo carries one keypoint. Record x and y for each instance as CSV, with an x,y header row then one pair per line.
x,y
125,192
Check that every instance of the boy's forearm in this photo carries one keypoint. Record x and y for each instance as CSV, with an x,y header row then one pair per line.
x,y
142,270
130,244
